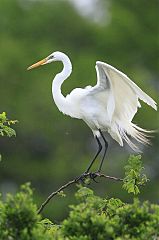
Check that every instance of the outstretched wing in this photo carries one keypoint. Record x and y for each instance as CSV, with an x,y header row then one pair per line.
x,y
125,92
122,104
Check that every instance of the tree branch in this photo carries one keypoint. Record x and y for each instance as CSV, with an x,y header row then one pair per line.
x,y
82,178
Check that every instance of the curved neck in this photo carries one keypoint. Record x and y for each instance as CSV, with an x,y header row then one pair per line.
x,y
59,99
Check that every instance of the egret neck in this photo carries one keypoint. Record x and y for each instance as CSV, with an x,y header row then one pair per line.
x,y
59,99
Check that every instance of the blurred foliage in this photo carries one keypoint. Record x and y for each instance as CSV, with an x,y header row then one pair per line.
x,y
5,128
99,218
51,148
19,219
134,176
92,217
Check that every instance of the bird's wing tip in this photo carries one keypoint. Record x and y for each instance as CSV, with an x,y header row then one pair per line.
x,y
99,63
155,106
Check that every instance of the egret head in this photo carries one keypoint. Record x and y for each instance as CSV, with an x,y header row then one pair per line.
x,y
53,57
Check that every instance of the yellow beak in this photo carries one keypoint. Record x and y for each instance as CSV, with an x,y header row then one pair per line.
x,y
43,61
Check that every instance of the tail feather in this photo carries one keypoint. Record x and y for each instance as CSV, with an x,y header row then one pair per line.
x,y
139,134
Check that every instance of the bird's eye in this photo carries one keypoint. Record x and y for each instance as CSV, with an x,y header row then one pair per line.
x,y
50,57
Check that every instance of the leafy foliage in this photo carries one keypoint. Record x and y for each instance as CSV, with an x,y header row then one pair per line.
x,y
19,219
5,128
91,218
98,218
5,124
134,177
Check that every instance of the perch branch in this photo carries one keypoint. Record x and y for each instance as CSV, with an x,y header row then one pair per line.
x,y
76,180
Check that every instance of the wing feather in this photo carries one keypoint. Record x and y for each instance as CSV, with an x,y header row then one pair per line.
x,y
125,94
112,71
104,83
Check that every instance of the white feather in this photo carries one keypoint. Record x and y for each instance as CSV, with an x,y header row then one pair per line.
x,y
126,94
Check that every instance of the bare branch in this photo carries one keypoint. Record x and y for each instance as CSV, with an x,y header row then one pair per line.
x,y
82,178
109,177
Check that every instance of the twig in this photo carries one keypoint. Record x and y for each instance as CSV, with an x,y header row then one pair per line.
x,y
76,180
55,193
109,177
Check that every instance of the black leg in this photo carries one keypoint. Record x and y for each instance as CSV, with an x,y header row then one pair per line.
x,y
99,150
105,150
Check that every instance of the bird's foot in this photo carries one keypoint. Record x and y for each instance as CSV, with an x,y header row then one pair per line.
x,y
91,175
82,177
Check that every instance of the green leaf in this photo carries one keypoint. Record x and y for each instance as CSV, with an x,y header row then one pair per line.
x,y
134,177
5,123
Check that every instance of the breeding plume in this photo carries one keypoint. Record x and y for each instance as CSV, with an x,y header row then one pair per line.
x,y
108,106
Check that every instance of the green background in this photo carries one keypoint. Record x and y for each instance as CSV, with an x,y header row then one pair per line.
x,y
51,148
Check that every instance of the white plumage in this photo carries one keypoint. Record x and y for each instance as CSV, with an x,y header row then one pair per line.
x,y
108,106
123,104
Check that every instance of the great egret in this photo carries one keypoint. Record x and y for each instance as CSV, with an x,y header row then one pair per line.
x,y
108,106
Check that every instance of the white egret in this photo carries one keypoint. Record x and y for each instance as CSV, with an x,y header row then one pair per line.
x,y
108,106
